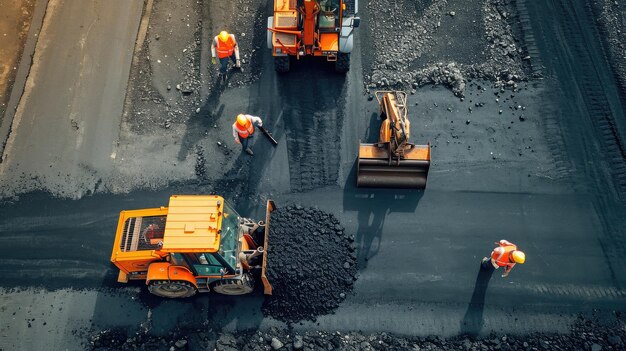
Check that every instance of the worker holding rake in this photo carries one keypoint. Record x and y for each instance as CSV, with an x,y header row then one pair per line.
x,y
243,130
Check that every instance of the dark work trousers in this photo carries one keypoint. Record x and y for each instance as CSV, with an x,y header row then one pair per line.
x,y
224,63
245,142
487,265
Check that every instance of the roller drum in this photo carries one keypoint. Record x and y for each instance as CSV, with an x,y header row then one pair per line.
x,y
377,173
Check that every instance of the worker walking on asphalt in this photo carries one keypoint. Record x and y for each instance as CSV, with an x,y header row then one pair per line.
x,y
505,255
243,131
225,46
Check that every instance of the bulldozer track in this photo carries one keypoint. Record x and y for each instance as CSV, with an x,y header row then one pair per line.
x,y
313,157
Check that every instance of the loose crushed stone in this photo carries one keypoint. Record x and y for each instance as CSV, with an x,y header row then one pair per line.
x,y
311,264
506,63
584,335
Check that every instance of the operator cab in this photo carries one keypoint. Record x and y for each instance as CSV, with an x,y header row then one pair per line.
x,y
224,260
329,14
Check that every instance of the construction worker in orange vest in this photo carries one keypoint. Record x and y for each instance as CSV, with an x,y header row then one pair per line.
x,y
505,255
243,130
225,46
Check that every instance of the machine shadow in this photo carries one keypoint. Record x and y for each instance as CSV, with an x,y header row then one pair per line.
x,y
210,313
372,206
472,322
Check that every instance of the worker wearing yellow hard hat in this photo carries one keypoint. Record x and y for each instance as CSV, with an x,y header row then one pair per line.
x,y
225,47
505,255
243,131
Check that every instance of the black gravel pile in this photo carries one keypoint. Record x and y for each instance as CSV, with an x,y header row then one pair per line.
x,y
311,264
585,335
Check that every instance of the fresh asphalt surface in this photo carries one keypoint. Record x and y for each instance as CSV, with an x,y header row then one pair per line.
x,y
419,252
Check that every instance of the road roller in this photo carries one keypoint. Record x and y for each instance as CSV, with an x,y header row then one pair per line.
x,y
393,162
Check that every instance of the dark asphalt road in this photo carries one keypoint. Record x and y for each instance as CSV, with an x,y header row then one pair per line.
x,y
418,252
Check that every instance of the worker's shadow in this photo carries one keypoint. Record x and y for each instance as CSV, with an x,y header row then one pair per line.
x,y
473,321
372,206
204,119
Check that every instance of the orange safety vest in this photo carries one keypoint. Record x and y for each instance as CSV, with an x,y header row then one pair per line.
x,y
246,131
225,49
502,255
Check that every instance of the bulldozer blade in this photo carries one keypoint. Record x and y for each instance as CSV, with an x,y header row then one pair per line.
x,y
267,287
375,170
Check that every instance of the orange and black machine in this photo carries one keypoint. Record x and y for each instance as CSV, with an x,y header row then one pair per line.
x,y
198,243
393,162
312,28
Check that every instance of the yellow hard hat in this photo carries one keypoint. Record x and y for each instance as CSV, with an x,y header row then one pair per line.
x,y
223,35
242,120
518,257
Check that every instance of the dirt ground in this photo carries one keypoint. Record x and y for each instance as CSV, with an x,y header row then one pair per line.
x,y
521,101
14,24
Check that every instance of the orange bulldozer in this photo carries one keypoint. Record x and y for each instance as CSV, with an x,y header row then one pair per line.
x,y
199,243
321,28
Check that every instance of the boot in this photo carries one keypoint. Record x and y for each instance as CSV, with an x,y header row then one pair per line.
x,y
249,151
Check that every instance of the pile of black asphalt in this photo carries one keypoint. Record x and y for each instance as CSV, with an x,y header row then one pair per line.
x,y
311,264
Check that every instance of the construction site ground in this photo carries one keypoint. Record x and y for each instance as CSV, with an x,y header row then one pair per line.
x,y
522,102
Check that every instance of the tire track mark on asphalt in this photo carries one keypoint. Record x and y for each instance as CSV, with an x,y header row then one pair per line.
x,y
601,110
313,120
594,91
577,291
587,108
529,41
553,129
